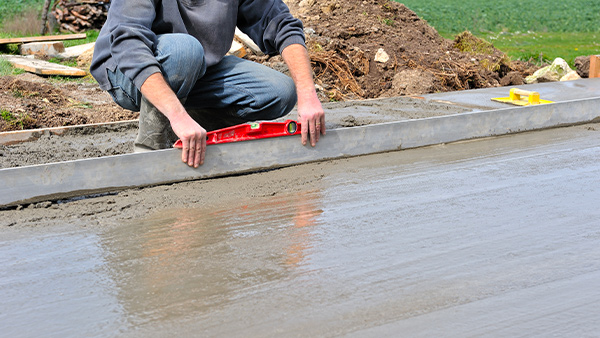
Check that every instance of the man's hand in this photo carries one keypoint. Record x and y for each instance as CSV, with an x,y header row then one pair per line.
x,y
191,134
193,139
310,111
312,120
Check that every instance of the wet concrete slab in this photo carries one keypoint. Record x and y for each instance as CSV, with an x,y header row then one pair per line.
x,y
480,99
492,237
31,147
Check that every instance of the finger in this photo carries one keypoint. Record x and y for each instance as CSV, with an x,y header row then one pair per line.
x,y
323,124
192,152
185,146
313,132
198,155
202,148
304,131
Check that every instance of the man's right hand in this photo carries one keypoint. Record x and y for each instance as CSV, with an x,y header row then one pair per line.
x,y
191,134
193,139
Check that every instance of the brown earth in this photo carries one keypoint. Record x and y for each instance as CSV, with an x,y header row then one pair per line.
x,y
37,102
343,37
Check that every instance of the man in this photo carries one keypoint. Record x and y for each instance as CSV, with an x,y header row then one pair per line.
x,y
166,58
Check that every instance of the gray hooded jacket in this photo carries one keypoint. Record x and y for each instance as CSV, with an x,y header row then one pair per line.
x,y
129,36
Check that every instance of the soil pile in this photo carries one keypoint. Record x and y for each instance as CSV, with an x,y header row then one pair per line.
x,y
29,102
374,48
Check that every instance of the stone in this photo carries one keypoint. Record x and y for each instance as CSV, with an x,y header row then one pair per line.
x,y
552,73
572,75
42,49
381,56
307,3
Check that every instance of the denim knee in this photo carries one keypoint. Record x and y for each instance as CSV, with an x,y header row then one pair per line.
x,y
286,96
278,99
181,57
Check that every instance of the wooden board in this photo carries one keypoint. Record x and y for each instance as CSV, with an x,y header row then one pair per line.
x,y
237,49
594,66
42,67
43,38
76,51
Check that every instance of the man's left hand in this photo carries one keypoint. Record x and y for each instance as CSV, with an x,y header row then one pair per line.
x,y
312,120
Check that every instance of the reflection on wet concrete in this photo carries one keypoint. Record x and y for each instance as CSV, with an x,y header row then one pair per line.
x,y
497,237
54,285
195,261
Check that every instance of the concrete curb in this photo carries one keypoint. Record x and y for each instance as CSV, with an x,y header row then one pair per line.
x,y
112,173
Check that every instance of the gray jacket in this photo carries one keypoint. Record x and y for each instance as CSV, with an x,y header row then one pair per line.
x,y
128,38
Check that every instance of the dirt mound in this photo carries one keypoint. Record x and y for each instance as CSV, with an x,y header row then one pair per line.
x,y
374,48
38,103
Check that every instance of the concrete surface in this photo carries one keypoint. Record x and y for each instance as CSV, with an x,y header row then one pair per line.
x,y
495,237
480,99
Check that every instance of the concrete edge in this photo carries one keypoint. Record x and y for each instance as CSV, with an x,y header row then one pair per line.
x,y
19,136
112,173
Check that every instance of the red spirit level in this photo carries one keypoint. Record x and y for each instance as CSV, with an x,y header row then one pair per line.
x,y
250,131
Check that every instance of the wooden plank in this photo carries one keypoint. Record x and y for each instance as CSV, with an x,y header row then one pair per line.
x,y
75,178
75,51
20,136
245,39
42,67
594,66
237,49
43,38
42,49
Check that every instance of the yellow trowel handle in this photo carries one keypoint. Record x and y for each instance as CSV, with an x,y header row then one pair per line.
x,y
533,97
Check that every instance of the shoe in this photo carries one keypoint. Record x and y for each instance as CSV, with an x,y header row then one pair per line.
x,y
154,129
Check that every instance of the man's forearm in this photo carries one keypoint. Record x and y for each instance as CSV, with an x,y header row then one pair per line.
x,y
156,90
193,137
310,111
298,62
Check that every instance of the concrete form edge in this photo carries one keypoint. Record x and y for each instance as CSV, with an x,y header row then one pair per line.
x,y
75,178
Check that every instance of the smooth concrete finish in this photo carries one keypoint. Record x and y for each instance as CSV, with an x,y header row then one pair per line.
x,y
80,177
496,238
481,99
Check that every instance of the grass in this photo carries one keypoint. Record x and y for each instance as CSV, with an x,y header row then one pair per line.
x,y
7,69
545,47
523,29
20,121
10,9
480,16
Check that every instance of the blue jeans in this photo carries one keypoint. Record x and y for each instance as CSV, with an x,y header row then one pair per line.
x,y
233,88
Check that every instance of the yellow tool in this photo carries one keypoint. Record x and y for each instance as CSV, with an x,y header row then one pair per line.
x,y
515,98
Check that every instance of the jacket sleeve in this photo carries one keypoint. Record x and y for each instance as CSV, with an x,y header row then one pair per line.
x,y
270,24
131,38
